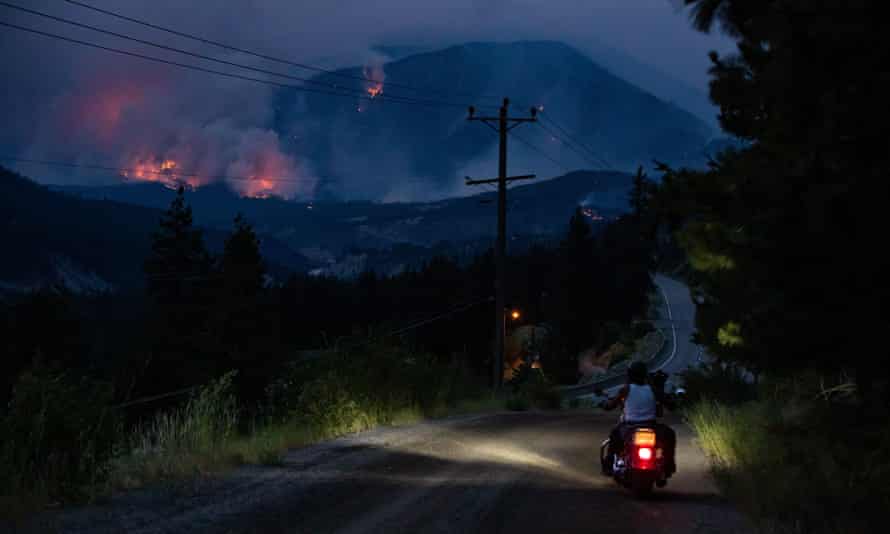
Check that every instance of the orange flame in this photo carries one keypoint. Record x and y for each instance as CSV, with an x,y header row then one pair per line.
x,y
259,187
375,76
160,170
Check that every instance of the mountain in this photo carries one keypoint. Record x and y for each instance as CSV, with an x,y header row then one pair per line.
x,y
96,238
385,150
89,244
327,229
655,81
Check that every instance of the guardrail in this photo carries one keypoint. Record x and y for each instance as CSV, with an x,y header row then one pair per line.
x,y
615,375
619,370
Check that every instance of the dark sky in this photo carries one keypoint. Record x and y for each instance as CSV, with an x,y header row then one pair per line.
x,y
62,101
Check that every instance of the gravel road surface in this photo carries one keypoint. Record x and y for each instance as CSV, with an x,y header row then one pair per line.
x,y
507,472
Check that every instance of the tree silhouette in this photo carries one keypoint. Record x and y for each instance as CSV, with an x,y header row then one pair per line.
x,y
179,285
781,233
247,321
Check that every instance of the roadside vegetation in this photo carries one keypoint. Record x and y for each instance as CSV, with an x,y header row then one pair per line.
x,y
63,443
798,455
778,235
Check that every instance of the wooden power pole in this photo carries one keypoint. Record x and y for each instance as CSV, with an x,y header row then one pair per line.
x,y
504,125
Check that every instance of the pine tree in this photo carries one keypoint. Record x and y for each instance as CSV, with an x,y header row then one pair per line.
x,y
781,233
179,283
576,294
639,194
241,267
246,323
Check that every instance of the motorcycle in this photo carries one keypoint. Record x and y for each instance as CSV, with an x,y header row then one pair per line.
x,y
642,464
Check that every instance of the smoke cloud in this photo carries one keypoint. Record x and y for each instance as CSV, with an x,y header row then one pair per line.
x,y
65,102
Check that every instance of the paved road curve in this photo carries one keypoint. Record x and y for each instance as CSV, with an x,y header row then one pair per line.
x,y
510,472
677,321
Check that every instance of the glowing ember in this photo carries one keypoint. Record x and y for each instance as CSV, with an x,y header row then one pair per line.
x,y
375,89
375,75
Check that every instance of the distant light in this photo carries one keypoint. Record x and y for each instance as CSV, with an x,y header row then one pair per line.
x,y
514,314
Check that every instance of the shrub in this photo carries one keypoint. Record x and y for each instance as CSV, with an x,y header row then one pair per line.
x,y
57,436
718,382
191,439
797,464
352,391
531,388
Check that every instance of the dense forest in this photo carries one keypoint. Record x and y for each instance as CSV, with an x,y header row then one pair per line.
x,y
780,236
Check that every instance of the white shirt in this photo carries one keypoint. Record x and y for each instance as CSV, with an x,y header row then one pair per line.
x,y
639,405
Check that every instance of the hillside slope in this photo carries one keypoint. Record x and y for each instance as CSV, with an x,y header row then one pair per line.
x,y
384,150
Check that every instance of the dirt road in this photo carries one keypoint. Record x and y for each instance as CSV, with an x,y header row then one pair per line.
x,y
510,472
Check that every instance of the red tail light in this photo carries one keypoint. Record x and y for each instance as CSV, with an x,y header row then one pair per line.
x,y
644,453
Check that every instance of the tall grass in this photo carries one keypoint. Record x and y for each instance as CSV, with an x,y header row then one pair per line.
x,y
62,443
796,464
312,402
193,439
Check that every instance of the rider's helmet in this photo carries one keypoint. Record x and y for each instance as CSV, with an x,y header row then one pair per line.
x,y
637,373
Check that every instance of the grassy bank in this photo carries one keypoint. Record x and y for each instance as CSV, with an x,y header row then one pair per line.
x,y
796,461
62,443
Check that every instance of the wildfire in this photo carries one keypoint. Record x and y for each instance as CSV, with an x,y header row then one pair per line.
x,y
375,75
160,170
258,187
375,89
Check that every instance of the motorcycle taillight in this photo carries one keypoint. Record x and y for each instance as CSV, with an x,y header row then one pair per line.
x,y
644,437
644,453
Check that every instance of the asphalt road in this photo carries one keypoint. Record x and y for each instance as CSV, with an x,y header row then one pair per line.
x,y
677,321
509,472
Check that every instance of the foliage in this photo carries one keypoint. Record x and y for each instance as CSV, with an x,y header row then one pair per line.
x,y
194,438
796,464
781,231
23,327
178,274
720,382
57,435
367,387
530,388
241,320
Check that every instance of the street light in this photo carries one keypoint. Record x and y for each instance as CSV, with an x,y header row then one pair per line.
x,y
514,315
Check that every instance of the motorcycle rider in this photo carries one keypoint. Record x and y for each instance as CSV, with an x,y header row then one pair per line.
x,y
641,406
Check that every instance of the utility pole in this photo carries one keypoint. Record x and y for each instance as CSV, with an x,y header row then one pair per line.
x,y
504,125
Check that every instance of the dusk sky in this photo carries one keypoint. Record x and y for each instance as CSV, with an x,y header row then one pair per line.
x,y
50,95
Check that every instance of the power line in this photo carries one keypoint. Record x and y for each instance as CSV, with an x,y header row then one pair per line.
x,y
569,135
202,69
572,147
355,93
358,93
336,87
263,56
539,151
